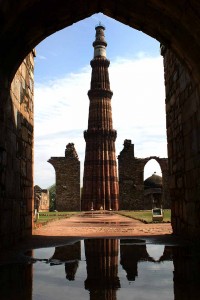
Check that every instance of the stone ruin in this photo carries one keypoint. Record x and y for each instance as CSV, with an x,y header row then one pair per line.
x,y
131,179
41,199
67,170
133,194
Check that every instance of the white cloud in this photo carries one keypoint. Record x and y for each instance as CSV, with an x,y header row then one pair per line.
x,y
42,57
61,112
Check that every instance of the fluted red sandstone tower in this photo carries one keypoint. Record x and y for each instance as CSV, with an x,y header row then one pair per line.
x,y
100,182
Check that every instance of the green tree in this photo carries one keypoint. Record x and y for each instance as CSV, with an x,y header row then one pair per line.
x,y
52,197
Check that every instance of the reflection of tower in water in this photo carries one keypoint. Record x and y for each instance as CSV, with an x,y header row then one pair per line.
x,y
102,268
102,272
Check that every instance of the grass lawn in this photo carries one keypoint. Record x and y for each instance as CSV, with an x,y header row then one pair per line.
x,y
44,217
142,215
145,215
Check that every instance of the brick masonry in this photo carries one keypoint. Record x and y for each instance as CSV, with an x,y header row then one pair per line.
x,y
16,156
183,127
67,170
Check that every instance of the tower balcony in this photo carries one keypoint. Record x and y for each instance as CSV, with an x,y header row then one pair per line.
x,y
100,61
99,93
100,134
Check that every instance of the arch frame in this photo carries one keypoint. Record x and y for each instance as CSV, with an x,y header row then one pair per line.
x,y
176,24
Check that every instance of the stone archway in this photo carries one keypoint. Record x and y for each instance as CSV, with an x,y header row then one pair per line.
x,y
24,25
175,24
163,163
131,178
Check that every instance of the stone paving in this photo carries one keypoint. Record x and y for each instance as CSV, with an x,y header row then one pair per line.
x,y
101,225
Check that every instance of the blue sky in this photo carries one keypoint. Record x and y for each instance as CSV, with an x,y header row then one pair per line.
x,y
62,80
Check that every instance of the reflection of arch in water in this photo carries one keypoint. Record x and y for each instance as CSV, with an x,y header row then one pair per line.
x,y
102,268
155,251
162,253
131,253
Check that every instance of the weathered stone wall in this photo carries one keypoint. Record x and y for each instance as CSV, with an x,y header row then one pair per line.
x,y
16,152
183,127
186,261
67,180
44,201
41,199
131,178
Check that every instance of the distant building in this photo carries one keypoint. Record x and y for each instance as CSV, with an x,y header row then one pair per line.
x,y
153,192
41,199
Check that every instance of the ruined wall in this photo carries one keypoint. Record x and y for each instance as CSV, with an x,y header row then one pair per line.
x,y
67,180
41,199
16,152
44,201
131,186
131,178
183,127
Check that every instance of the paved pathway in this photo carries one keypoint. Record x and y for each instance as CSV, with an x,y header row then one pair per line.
x,y
96,225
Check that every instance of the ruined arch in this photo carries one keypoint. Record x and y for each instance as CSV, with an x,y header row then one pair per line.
x,y
131,178
163,163
175,24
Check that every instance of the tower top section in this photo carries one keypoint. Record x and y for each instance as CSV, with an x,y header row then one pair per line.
x,y
100,43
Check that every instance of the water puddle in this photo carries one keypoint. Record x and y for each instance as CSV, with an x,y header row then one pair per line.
x,y
104,269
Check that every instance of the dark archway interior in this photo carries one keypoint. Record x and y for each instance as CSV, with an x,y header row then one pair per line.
x,y
25,24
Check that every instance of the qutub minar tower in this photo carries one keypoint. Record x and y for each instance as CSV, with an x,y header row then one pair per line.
x,y
100,181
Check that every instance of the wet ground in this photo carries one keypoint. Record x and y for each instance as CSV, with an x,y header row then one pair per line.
x,y
86,225
103,269
101,256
